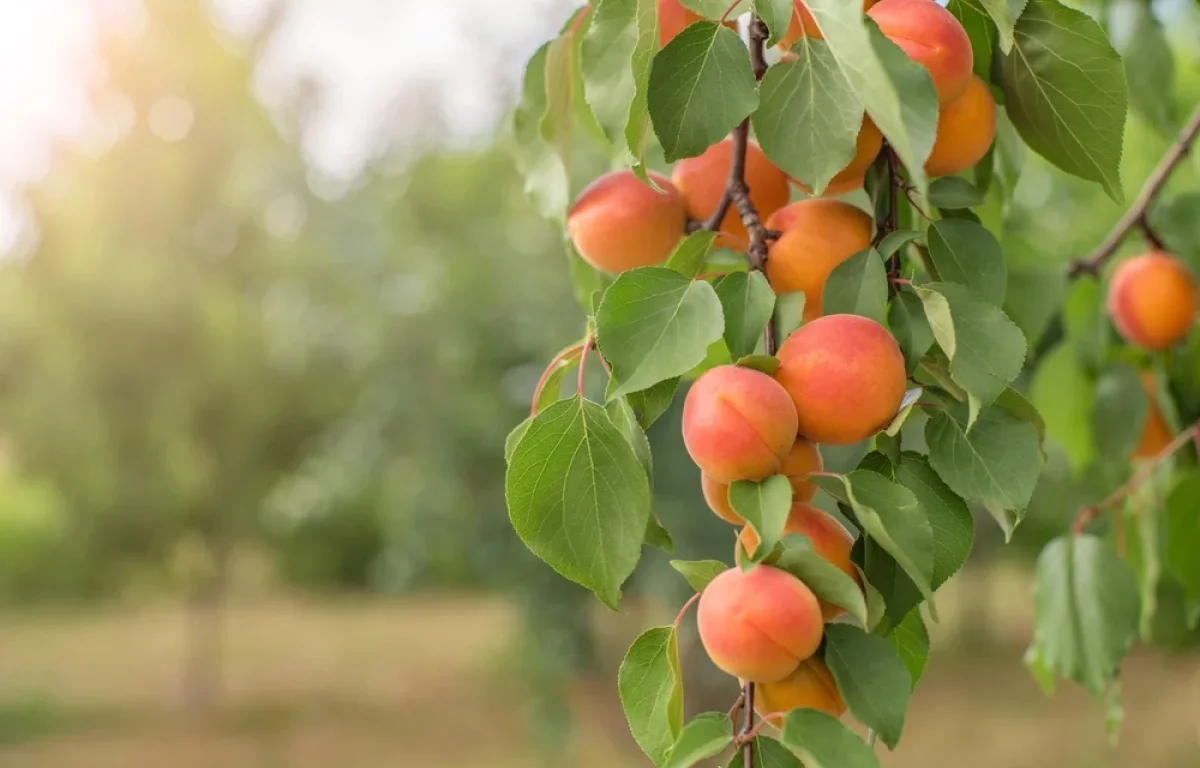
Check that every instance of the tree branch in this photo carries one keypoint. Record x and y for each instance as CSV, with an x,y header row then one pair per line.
x,y
1136,216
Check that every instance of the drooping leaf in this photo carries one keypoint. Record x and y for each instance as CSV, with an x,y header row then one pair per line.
x,y
545,175
688,257
607,76
551,393
825,579
822,741
949,517
703,737
871,677
858,286
699,573
911,640
747,302
651,690
649,404
764,506
637,130
906,317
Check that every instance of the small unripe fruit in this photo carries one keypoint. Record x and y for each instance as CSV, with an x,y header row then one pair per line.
x,y
619,223
803,459
845,374
818,234
933,38
965,130
811,685
1156,435
738,424
759,625
701,180
1152,300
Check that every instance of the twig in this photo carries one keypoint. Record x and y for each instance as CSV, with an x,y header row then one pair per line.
x,y
682,611
1136,216
748,726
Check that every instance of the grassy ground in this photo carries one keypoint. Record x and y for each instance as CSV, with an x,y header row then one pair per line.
x,y
420,683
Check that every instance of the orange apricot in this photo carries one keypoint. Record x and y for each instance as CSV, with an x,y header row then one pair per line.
x,y
1156,435
1152,300
803,459
933,38
811,685
850,178
818,234
674,17
803,25
618,223
965,129
845,374
702,181
759,624
738,424
717,496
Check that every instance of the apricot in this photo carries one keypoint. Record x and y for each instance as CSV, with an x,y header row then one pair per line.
x,y
850,178
803,459
818,234
933,38
1152,300
828,537
738,424
1156,435
674,17
846,376
965,129
702,181
618,223
759,625
804,25
811,685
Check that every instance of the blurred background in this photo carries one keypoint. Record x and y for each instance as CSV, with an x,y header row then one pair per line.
x,y
271,299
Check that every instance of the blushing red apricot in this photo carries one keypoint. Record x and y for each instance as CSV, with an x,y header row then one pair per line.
x,y
818,234
850,178
812,685
619,223
845,374
759,625
1156,435
803,24
933,38
738,424
701,180
965,130
803,459
1152,300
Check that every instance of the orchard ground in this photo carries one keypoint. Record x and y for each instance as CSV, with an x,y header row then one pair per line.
x,y
319,683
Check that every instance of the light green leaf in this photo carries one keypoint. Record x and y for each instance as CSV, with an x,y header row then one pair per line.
x,y
1149,65
545,175
655,324
789,312
911,640
1086,610
701,87
578,496
607,77
699,573
1066,394
809,118
688,257
826,580
1066,94
1120,413
871,677
651,690
637,130
858,286
705,736
954,192
965,253
764,506
1005,13
762,363
822,741
949,517
747,302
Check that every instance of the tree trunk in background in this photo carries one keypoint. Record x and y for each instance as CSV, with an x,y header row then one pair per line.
x,y
203,640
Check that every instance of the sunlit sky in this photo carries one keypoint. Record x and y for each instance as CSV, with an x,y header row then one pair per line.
x,y
364,53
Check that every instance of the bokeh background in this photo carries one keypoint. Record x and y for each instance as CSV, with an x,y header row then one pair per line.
x,y
271,298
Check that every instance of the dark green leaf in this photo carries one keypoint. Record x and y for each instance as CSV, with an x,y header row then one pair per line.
x,y
949,517
699,573
825,579
764,506
705,736
689,256
651,690
965,253
871,677
1085,321
747,301
894,241
1120,413
858,286
650,404
906,316
954,192
822,741
911,639
625,420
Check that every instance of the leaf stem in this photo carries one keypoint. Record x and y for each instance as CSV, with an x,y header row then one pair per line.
x,y
682,611
558,360
1137,215
588,343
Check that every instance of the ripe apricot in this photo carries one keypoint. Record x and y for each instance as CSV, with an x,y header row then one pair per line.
x,y
811,685
850,178
803,459
1152,300
1157,433
738,424
845,374
828,537
759,625
965,129
818,234
618,223
702,181
804,25
933,38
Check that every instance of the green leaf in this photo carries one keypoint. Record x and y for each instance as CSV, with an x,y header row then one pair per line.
x,y
557,125
826,580
1065,393
747,302
1086,610
715,9
949,517
514,437
1183,533
1005,13
894,241
699,573
776,14
809,118
545,175
625,420
637,130
701,87
607,77
873,680
1020,406
651,690
688,257
655,324
858,286
876,607
899,593
649,404
1120,413
1033,299
897,93
965,253
658,536
789,312
889,515
1149,65
822,741
578,496
705,736
981,31
762,363
996,464
911,640
954,192
986,349
764,506
1085,321
1065,92
906,316
768,753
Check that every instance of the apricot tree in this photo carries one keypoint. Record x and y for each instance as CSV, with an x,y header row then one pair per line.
x,y
875,318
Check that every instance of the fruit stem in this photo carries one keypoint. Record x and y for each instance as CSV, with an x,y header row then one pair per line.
x,y
1137,215
682,611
